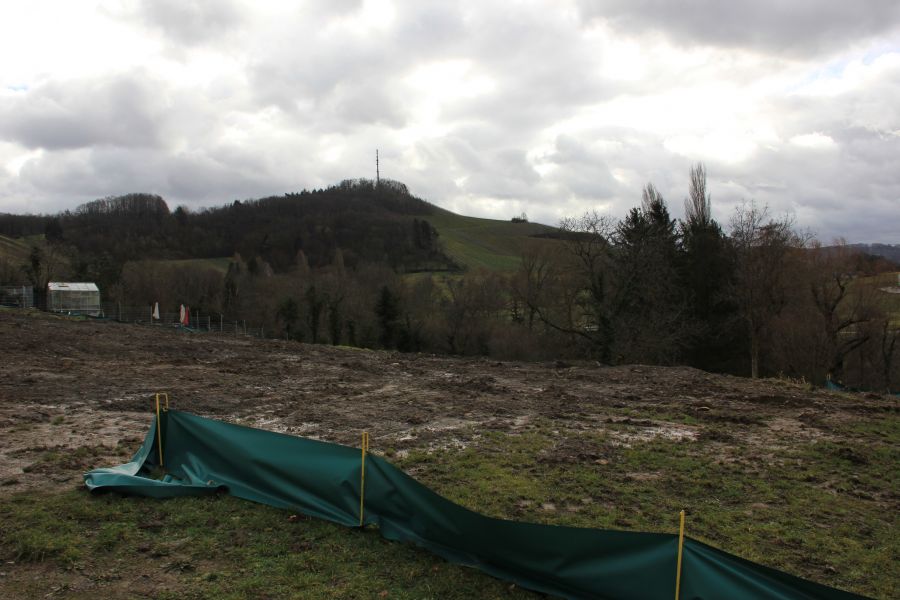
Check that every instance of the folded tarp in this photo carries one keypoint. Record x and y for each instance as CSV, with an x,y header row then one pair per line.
x,y
320,479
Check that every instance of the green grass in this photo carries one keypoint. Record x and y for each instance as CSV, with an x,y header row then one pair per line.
x,y
823,510
14,250
222,547
486,243
819,510
889,303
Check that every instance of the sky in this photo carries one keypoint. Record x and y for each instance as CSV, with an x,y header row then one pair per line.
x,y
487,108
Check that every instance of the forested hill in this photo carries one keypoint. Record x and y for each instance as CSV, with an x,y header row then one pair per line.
x,y
381,223
888,251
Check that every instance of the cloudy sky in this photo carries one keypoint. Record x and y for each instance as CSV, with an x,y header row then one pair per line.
x,y
488,108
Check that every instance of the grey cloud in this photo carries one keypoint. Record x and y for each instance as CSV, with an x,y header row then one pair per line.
x,y
191,21
540,69
797,27
128,111
537,67
836,192
354,104
195,178
583,173
119,133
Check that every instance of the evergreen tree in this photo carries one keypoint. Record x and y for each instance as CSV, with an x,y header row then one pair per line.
x,y
707,267
314,305
649,303
288,312
387,309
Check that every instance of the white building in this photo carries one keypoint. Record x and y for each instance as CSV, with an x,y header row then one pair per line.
x,y
74,298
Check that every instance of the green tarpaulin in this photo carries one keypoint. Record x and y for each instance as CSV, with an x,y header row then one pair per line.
x,y
320,479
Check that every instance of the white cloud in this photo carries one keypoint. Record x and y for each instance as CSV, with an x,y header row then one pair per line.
x,y
814,141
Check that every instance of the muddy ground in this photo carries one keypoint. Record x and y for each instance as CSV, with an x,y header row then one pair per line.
x,y
82,392
90,385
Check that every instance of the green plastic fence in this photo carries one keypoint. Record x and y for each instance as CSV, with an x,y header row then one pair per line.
x,y
203,456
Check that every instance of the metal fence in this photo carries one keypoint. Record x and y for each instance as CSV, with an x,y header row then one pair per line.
x,y
17,296
198,321
23,297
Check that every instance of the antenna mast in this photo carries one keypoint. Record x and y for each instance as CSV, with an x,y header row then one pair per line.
x,y
377,172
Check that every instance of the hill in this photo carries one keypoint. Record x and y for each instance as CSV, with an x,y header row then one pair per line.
x,y
365,222
486,243
888,251
15,251
772,470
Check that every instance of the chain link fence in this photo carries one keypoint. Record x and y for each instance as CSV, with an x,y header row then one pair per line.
x,y
197,320
17,296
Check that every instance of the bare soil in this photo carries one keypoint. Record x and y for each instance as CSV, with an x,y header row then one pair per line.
x,y
75,395
89,385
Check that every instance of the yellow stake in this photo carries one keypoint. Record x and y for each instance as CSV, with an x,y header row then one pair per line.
x,y
680,548
159,427
362,476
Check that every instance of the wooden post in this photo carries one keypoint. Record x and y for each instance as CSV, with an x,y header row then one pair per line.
x,y
362,477
680,550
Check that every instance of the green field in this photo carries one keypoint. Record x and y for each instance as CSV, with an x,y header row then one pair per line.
x,y
888,302
485,243
223,547
14,250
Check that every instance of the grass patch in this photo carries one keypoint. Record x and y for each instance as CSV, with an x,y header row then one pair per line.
x,y
821,509
223,547
487,243
14,250
817,510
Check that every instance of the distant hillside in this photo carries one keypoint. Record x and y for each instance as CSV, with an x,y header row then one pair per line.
x,y
14,251
486,243
367,223
888,251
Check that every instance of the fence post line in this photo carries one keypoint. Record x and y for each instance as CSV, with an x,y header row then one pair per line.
x,y
680,551
362,477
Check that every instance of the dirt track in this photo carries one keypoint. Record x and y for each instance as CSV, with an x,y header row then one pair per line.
x,y
89,385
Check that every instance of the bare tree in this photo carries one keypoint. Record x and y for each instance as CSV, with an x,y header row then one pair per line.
x,y
651,198
537,274
707,269
697,206
569,291
888,345
841,309
762,246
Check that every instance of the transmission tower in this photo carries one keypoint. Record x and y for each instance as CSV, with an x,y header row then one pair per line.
x,y
377,171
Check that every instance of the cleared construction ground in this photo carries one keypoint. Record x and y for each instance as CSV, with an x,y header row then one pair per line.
x,y
799,479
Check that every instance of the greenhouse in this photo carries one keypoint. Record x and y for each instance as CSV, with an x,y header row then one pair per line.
x,y
74,298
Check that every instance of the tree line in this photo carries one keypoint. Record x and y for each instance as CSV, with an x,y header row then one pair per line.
x,y
761,298
754,297
369,222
